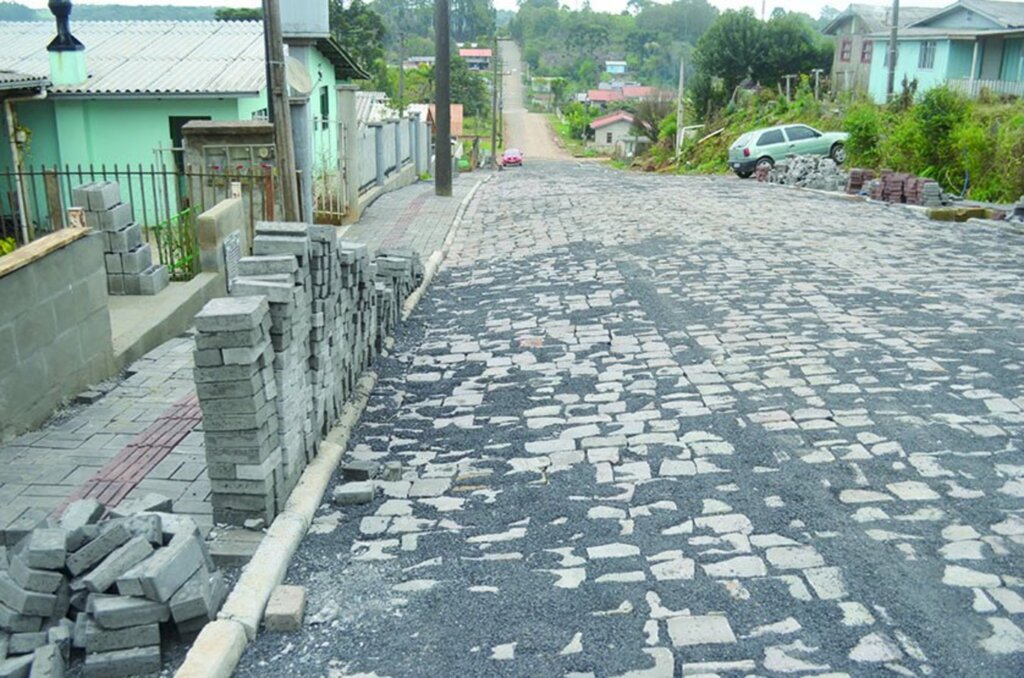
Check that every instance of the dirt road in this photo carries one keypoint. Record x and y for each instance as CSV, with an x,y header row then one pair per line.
x,y
529,132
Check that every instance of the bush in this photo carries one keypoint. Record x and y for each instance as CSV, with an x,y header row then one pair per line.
x,y
864,123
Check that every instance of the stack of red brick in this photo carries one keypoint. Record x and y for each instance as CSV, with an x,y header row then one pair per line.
x,y
900,187
858,178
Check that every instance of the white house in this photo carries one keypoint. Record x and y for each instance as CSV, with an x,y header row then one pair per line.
x,y
613,133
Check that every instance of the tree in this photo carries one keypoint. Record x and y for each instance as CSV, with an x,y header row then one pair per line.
x,y
12,11
648,115
733,48
468,88
243,14
361,32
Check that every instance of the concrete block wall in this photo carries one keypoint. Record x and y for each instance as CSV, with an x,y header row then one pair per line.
x,y
54,331
274,381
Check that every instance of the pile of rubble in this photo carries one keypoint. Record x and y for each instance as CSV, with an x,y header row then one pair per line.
x,y
108,587
903,188
807,171
277,360
129,261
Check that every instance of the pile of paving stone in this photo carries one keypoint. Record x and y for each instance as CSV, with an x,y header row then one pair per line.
x,y
904,188
857,180
129,261
808,171
106,587
277,360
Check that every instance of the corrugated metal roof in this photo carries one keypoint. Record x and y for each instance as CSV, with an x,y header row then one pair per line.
x,y
373,107
152,57
12,80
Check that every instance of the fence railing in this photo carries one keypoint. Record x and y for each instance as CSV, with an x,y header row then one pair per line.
x,y
973,88
34,201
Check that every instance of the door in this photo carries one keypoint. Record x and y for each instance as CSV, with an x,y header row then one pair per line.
x,y
804,141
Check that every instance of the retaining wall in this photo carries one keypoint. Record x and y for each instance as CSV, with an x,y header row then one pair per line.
x,y
54,326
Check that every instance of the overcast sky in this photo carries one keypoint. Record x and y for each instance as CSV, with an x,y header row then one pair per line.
x,y
812,7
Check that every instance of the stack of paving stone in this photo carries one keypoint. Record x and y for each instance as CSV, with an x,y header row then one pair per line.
x,y
808,171
921,191
324,298
857,180
129,261
237,389
105,588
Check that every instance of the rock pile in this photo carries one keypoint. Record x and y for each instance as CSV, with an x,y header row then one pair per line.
x,y
808,171
129,261
277,360
106,587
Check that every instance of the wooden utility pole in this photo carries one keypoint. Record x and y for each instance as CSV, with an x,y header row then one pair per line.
x,y
278,94
894,49
442,101
679,106
494,97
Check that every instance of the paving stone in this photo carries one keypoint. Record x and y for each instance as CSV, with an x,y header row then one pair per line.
x,y
48,662
45,549
16,667
118,612
353,493
130,662
98,639
29,603
700,630
26,643
42,581
285,608
99,548
125,557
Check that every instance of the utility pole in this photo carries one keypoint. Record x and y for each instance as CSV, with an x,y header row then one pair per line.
x,y
679,106
890,85
494,98
442,101
501,103
278,94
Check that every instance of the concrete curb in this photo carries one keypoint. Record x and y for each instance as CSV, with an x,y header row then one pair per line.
x,y
438,257
219,646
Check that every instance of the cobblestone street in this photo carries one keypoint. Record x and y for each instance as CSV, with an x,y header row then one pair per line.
x,y
658,426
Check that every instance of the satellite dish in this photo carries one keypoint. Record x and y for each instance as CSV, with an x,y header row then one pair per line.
x,y
300,85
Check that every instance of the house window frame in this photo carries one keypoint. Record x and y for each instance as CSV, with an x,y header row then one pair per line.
x,y
846,50
325,107
867,51
608,137
926,55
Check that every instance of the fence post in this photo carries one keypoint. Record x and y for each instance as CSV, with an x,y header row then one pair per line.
x,y
349,154
51,186
422,147
398,145
378,141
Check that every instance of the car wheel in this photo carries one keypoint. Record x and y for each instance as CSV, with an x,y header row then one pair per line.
x,y
838,154
744,175
766,161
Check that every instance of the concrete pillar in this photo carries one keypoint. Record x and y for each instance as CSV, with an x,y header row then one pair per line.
x,y
349,151
422,146
302,136
378,141
398,144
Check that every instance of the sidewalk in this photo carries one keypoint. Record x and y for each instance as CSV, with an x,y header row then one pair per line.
x,y
145,434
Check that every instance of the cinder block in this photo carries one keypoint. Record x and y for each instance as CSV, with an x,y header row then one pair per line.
x,y
29,603
116,564
137,260
232,314
125,239
80,196
118,612
48,662
115,218
102,195
133,662
115,284
285,608
132,286
154,280
99,639
112,536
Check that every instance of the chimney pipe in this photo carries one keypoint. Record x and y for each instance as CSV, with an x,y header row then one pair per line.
x,y
67,54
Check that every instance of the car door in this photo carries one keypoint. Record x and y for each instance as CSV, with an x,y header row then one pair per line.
x,y
804,140
772,143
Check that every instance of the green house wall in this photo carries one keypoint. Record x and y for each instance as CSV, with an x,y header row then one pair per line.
x,y
906,66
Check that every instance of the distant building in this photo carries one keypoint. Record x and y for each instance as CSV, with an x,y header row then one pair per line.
x,y
476,58
412,63
615,67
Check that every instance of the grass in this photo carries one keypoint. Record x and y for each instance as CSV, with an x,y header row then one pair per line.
x,y
576,147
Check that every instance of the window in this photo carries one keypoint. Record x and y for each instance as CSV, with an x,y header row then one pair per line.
x,y
847,49
608,138
926,57
771,137
865,51
800,132
325,107
262,114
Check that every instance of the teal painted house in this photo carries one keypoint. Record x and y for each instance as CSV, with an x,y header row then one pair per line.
x,y
143,81
971,45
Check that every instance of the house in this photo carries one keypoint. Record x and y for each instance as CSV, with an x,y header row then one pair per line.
x,y
615,67
603,97
122,96
613,133
971,45
414,62
429,111
476,58
851,63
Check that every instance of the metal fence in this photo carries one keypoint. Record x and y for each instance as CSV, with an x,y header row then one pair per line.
x,y
165,202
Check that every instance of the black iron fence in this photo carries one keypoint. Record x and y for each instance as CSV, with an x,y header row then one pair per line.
x,y
166,202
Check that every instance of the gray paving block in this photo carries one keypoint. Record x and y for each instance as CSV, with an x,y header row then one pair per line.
x,y
45,548
268,265
99,639
171,524
99,548
118,612
232,314
14,621
358,469
62,605
194,598
164,573
30,579
133,662
149,527
103,576
60,635
48,662
275,292
81,513
29,603
150,502
16,667
25,643
353,493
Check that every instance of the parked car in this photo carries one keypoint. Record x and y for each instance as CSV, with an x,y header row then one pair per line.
x,y
512,156
769,145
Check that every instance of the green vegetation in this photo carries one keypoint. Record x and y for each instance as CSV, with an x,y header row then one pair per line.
x,y
243,14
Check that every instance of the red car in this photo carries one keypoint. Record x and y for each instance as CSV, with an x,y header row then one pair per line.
x,y
512,156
